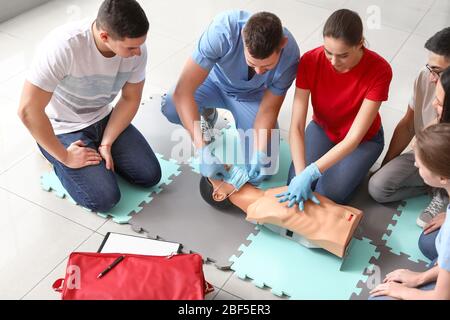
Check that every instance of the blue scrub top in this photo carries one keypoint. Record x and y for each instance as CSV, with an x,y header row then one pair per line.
x,y
220,50
443,243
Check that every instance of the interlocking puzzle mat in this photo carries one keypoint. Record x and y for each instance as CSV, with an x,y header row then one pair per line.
x,y
377,217
132,197
403,234
300,273
181,215
386,263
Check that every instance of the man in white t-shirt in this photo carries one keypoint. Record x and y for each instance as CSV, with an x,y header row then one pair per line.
x,y
66,104
398,178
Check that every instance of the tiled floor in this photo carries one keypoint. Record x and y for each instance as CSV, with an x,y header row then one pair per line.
x,y
38,230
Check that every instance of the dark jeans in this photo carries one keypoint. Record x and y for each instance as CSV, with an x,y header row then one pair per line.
x,y
427,244
338,182
95,187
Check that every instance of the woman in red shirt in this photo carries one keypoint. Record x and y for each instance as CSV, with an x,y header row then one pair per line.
x,y
347,83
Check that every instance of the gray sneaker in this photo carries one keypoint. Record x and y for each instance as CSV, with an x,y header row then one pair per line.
x,y
208,119
438,204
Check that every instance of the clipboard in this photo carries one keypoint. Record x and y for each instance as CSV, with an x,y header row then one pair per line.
x,y
124,243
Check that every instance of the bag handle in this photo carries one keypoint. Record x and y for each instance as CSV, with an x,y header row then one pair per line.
x,y
58,285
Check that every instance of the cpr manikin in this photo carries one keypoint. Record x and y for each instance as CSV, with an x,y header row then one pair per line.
x,y
328,225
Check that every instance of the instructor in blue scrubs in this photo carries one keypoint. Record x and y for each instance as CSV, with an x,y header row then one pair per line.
x,y
243,63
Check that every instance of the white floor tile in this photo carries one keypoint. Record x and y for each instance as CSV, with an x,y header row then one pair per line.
x,y
412,53
399,14
15,56
34,24
32,241
166,74
160,48
24,180
299,18
215,276
15,140
43,290
165,15
402,85
327,4
385,46
223,295
440,6
247,290
432,23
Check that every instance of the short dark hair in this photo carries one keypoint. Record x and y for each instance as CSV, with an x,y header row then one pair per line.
x,y
263,34
346,25
445,82
440,43
122,19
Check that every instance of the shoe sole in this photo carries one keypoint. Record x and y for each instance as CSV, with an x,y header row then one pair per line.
x,y
421,223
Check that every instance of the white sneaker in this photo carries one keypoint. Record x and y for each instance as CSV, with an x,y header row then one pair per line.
x,y
438,204
208,119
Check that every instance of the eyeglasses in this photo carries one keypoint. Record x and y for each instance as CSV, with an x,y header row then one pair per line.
x,y
437,74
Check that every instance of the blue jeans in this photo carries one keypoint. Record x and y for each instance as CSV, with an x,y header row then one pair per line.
x,y
211,96
95,187
338,182
427,244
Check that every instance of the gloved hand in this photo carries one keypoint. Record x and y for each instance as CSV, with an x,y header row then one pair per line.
x,y
238,177
258,168
299,189
210,165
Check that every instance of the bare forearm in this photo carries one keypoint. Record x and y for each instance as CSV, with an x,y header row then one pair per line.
x,y
187,110
263,126
41,129
120,119
297,143
336,154
400,140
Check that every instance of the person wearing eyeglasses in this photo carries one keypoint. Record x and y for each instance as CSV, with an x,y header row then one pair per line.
x,y
398,178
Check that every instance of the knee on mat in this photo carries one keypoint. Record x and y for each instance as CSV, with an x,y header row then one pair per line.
x,y
377,189
104,200
168,109
150,177
427,246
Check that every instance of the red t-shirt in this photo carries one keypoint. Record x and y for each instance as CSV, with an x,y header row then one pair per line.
x,y
337,97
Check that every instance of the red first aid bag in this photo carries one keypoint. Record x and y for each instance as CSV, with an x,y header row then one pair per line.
x,y
136,277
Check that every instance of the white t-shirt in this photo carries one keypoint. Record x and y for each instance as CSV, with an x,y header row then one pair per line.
x,y
422,101
83,81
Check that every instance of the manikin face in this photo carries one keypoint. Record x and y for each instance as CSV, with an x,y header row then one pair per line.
x,y
430,178
436,64
125,48
438,102
341,56
261,66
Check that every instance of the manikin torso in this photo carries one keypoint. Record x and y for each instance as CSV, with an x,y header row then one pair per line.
x,y
328,225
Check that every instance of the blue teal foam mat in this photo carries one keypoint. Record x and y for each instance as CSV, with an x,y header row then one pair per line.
x,y
132,197
301,273
227,149
405,233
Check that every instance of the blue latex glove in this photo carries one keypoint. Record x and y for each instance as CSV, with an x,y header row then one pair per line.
x,y
258,168
238,177
299,189
210,165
